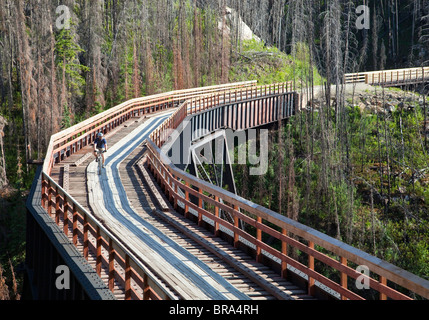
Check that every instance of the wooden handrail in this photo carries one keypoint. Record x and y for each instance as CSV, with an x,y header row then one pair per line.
x,y
174,96
173,179
396,76
84,223
163,169
63,140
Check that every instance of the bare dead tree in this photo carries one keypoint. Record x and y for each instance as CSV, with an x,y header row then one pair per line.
x,y
26,70
424,32
3,175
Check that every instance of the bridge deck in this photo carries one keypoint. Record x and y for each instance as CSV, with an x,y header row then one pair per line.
x,y
186,258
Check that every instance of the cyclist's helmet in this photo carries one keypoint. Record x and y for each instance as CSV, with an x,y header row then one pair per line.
x,y
100,135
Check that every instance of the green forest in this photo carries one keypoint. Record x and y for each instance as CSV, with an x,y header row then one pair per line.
x,y
352,166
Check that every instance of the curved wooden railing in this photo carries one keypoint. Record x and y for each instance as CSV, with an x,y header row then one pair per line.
x,y
208,101
311,242
123,265
336,255
68,141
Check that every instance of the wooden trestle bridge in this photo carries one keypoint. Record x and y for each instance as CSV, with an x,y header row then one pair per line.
x,y
147,229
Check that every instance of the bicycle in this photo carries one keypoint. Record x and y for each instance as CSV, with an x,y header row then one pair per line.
x,y
100,160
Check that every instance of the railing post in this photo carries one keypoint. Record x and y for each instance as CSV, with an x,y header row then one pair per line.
x,y
216,226
75,227
343,277
98,257
258,238
57,206
127,278
284,251
158,139
85,237
176,182
111,266
236,225
162,179
200,206
146,287
43,191
49,198
383,281
187,200
66,217
170,191
311,267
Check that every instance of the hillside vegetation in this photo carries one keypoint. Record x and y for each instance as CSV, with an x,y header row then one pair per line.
x,y
267,65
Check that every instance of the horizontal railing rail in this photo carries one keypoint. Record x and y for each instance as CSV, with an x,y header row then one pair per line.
x,y
123,265
354,78
285,230
66,142
389,77
179,186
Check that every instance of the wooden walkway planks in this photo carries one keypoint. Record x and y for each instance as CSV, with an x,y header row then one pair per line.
x,y
143,202
242,264
108,199
219,266
78,189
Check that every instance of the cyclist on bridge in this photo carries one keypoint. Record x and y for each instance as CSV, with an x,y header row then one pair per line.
x,y
100,144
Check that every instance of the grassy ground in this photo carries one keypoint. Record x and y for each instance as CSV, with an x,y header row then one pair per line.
x,y
269,65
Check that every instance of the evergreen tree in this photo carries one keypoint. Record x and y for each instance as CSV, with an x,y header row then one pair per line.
x,y
67,52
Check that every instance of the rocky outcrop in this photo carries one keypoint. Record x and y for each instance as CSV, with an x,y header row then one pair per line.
x,y
371,99
236,23
391,101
